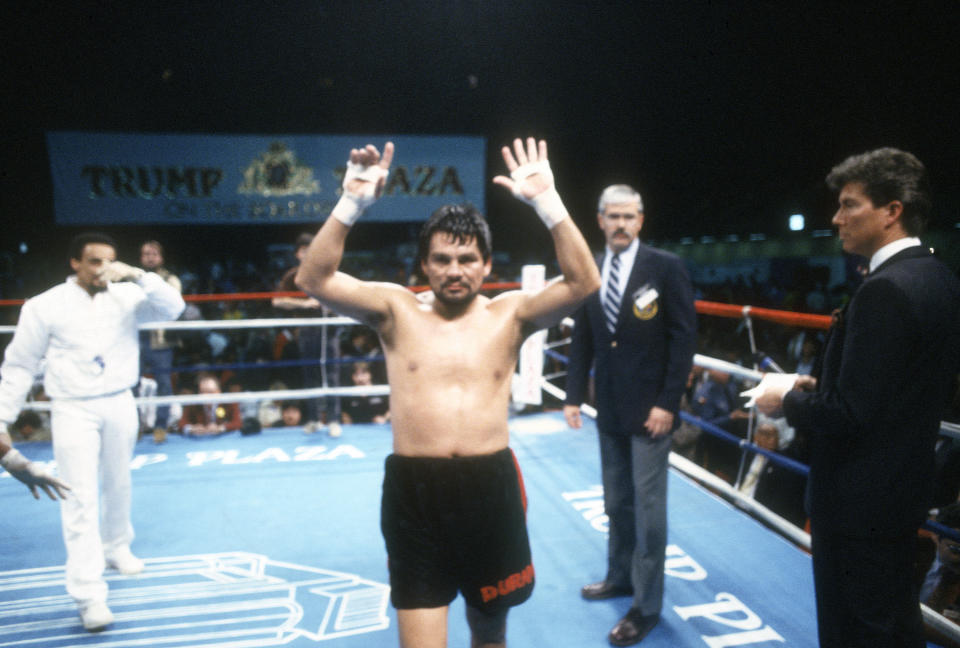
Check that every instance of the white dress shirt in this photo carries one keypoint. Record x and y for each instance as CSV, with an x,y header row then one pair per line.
x,y
890,249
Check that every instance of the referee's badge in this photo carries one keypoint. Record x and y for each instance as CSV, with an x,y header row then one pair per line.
x,y
645,305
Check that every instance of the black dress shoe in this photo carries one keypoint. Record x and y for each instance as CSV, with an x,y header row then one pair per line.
x,y
632,628
604,590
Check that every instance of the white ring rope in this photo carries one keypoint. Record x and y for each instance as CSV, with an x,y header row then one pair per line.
x,y
189,325
246,397
274,322
727,367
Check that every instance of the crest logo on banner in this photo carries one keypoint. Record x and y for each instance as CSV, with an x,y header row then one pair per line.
x,y
278,172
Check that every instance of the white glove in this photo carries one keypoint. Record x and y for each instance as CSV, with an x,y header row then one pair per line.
x,y
362,184
32,475
120,271
777,382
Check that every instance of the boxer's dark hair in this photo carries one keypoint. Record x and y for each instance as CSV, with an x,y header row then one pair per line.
x,y
462,222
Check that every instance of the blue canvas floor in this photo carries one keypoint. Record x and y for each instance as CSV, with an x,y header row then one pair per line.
x,y
274,540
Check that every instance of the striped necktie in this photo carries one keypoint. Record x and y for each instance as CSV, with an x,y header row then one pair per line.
x,y
611,297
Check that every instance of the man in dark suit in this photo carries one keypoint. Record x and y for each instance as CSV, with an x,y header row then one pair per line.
x,y
873,413
639,331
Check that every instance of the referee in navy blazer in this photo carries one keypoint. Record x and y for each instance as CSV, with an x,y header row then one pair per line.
x,y
873,413
639,333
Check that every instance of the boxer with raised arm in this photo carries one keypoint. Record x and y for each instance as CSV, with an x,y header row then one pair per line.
x,y
453,510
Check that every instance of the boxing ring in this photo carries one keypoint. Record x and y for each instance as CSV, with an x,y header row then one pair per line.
x,y
273,538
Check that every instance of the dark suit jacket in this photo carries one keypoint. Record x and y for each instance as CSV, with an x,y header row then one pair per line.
x,y
646,362
887,374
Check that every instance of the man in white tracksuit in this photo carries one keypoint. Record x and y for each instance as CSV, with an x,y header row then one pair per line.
x,y
86,331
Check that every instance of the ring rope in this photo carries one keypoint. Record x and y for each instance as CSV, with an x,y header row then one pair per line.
x,y
246,397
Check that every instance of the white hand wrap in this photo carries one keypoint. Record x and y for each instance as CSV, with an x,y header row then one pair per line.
x,y
14,462
351,205
547,204
120,271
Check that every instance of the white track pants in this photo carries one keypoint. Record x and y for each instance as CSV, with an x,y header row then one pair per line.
x,y
93,442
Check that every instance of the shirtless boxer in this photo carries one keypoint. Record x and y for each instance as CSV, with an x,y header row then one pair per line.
x,y
453,510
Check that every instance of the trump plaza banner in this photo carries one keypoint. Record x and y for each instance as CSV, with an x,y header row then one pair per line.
x,y
143,179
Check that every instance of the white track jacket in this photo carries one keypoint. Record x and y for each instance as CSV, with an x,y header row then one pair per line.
x,y
90,343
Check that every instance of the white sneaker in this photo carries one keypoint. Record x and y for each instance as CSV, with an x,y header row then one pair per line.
x,y
334,430
96,616
125,562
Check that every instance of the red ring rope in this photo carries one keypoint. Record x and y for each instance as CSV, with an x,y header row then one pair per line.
x,y
788,318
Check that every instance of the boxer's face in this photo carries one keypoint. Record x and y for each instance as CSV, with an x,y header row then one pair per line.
x,y
92,262
455,271
620,223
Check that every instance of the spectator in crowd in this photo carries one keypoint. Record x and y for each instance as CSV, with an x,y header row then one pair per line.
x,y
213,418
809,352
365,409
715,400
361,342
316,344
291,415
31,426
156,349
714,396
776,487
270,411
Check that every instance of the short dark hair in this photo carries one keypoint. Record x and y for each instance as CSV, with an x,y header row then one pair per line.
x,y
889,174
81,241
462,222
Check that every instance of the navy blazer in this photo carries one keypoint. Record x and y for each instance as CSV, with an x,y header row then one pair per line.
x,y
887,375
647,360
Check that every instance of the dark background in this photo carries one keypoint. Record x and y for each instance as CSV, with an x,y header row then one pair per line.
x,y
726,115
